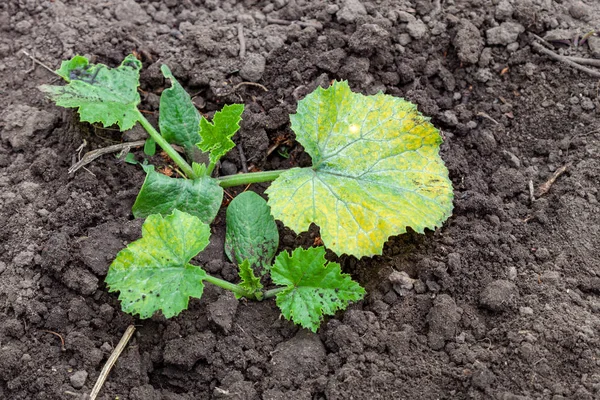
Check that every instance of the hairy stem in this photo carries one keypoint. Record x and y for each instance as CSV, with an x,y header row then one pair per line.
x,y
181,163
237,289
273,292
252,177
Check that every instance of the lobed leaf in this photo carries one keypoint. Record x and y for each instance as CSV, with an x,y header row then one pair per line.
x,y
250,282
216,137
314,286
100,94
251,231
179,120
201,197
153,273
376,171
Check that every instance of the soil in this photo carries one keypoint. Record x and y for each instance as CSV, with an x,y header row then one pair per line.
x,y
503,302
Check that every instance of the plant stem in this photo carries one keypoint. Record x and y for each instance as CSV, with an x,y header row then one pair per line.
x,y
252,177
237,289
273,292
181,163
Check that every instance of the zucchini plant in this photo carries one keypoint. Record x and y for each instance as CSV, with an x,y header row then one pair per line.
x,y
375,171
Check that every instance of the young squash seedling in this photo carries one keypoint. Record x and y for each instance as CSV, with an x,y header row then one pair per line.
x,y
375,171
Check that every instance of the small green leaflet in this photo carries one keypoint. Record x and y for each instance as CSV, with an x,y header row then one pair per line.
x,y
376,170
153,273
150,147
251,232
249,281
179,120
315,287
101,94
160,194
215,137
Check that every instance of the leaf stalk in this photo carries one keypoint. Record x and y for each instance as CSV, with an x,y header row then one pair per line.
x,y
252,177
154,134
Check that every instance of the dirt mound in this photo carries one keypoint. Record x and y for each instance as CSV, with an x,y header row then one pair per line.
x,y
502,302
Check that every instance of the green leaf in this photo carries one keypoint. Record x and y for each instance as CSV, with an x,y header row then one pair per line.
x,y
150,147
251,231
314,287
160,194
101,94
77,62
153,273
179,120
130,159
376,170
249,282
215,137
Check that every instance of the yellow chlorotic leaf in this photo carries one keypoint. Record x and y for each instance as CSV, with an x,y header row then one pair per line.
x,y
376,171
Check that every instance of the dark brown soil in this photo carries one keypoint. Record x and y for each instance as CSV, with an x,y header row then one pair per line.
x,y
506,298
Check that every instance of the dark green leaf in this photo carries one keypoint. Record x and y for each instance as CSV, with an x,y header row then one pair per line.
x,y
179,120
251,231
160,194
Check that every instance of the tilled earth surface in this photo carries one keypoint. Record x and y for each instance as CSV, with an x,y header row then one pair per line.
x,y
503,302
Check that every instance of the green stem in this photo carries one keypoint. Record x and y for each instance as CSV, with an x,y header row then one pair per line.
x,y
181,163
252,177
210,168
273,292
237,289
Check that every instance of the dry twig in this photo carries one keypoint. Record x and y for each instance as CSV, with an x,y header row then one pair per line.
x,y
236,87
35,60
565,60
111,362
62,341
303,24
92,155
242,40
545,187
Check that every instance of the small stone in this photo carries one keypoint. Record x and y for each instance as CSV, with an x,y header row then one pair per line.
x,y
468,42
504,10
486,142
449,118
351,9
512,160
580,10
512,273
499,295
551,277
221,312
542,254
78,379
331,60
483,378
401,282
419,287
253,68
228,168
587,104
594,45
416,29
23,27
506,33
129,10
367,37
525,310
443,319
